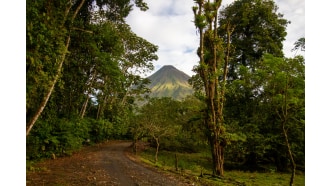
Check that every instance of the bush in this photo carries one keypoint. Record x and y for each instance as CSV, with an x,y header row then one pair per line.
x,y
57,137
62,136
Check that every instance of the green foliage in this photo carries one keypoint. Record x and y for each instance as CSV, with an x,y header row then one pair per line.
x,y
93,99
142,5
45,42
60,137
178,123
191,165
258,29
257,118
200,21
159,117
299,44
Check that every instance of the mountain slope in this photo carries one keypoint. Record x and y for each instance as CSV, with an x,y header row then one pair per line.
x,y
169,82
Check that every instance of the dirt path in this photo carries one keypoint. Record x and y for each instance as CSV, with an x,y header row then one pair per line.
x,y
106,164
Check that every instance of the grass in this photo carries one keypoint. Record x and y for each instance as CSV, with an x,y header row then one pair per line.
x,y
193,164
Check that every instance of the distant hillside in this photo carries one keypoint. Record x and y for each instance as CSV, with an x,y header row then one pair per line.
x,y
169,82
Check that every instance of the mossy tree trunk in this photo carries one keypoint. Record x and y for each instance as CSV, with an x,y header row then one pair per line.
x,y
211,54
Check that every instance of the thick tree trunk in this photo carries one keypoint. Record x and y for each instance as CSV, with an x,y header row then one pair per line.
x,y
58,73
217,150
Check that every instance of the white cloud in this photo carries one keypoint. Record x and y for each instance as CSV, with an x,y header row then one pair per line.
x,y
169,24
294,11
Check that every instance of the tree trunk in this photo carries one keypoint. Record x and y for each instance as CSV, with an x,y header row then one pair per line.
x,y
98,111
293,164
135,141
46,98
90,83
58,73
83,109
284,117
101,108
176,162
217,150
208,71
157,149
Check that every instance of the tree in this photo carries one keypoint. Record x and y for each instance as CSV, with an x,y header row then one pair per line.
x,y
137,130
212,70
286,84
277,101
259,29
158,118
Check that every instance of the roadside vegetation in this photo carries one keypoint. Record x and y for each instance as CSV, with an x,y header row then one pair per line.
x,y
198,167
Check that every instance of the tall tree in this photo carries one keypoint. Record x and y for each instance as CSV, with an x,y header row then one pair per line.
x,y
212,65
259,29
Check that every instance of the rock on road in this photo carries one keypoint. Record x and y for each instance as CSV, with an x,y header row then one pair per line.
x,y
105,164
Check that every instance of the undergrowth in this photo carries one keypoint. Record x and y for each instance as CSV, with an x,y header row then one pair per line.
x,y
197,167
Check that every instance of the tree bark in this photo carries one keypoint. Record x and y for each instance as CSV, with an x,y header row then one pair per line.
x,y
83,109
176,162
217,150
58,73
157,149
101,108
293,164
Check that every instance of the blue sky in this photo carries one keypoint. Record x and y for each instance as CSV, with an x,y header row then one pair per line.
x,y
169,24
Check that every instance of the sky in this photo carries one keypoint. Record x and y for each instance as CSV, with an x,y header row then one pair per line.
x,y
169,25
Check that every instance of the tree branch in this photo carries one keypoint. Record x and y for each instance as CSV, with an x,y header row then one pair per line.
x,y
80,29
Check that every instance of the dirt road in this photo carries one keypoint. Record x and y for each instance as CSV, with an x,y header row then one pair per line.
x,y
106,164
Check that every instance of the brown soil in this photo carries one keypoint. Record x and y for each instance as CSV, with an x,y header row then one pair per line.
x,y
110,163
